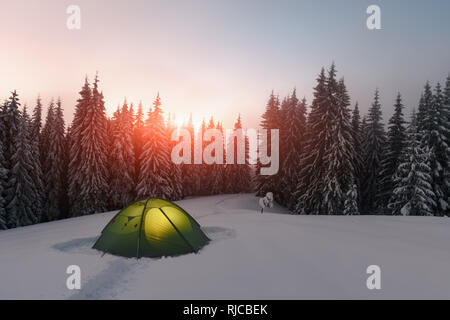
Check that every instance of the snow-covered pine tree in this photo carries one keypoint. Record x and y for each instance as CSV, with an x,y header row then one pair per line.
x,y
154,176
54,165
238,176
121,171
413,193
21,191
270,120
357,130
425,104
215,182
44,141
340,158
36,174
220,176
395,142
327,164
351,201
445,112
11,118
292,137
89,171
3,180
36,120
203,168
175,171
189,171
439,144
138,138
312,170
373,144
74,137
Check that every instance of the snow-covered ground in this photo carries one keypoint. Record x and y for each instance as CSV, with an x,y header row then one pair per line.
x,y
252,256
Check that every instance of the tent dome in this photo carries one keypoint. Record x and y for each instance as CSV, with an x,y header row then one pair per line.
x,y
151,228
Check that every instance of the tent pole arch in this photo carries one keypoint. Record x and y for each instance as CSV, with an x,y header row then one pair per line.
x,y
140,229
178,231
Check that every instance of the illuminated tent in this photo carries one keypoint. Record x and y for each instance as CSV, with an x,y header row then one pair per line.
x,y
151,228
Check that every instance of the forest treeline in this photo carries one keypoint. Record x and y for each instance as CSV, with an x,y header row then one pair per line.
x,y
332,159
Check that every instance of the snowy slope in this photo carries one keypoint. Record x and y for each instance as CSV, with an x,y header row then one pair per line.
x,y
255,256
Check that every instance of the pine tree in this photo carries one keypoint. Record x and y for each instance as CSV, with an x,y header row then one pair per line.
x,y
238,175
351,201
21,191
36,174
36,120
434,125
175,171
88,172
74,137
327,165
121,171
11,118
439,144
445,113
292,139
413,193
138,138
357,129
374,143
271,120
340,159
3,181
44,139
189,170
54,165
396,141
154,176
317,141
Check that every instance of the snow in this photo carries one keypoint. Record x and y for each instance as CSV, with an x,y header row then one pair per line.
x,y
273,255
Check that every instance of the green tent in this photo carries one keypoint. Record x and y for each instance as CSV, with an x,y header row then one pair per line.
x,y
151,228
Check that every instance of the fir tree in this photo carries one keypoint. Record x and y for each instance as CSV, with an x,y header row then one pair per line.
x,y
215,179
36,174
154,176
54,165
74,137
175,171
270,120
44,140
238,175
396,141
21,191
327,165
292,138
3,181
189,170
88,163
357,130
11,118
122,159
138,137
340,159
309,190
351,201
374,143
413,193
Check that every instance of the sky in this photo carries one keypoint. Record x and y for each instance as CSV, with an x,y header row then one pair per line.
x,y
220,57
